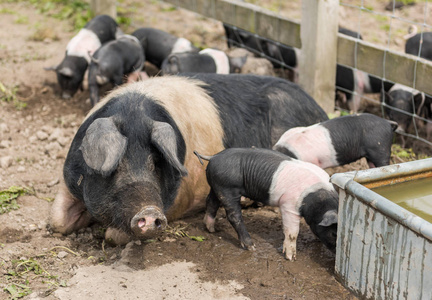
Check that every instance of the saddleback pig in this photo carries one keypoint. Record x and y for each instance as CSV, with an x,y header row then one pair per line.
x,y
158,44
206,61
131,164
340,141
402,102
419,44
299,189
114,60
70,72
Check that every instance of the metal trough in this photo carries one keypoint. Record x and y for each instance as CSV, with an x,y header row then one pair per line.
x,y
383,251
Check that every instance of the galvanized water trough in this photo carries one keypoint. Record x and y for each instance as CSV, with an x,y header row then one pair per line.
x,y
383,251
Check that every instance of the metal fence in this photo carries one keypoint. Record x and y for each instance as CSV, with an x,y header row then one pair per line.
x,y
380,58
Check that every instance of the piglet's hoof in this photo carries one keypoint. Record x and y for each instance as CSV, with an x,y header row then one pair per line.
x,y
248,246
116,237
209,223
290,253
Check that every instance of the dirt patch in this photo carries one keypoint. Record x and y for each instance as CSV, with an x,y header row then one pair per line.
x,y
33,144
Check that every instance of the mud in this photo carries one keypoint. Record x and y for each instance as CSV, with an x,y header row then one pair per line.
x,y
82,265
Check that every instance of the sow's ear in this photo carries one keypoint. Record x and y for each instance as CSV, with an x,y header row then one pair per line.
x,y
103,146
329,218
164,138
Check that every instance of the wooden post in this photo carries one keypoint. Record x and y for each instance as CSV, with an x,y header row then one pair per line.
x,y
104,7
317,64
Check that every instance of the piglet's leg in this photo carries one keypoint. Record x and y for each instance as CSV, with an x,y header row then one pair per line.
x,y
291,227
233,209
68,213
212,206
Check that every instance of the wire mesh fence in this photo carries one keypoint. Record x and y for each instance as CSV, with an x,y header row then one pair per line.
x,y
389,24
382,23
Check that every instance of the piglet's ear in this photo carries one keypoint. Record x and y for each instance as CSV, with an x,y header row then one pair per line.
x,y
164,138
329,218
66,71
103,146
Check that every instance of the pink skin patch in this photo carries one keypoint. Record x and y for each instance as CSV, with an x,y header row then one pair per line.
x,y
182,45
209,223
146,223
84,42
311,144
220,58
292,181
137,76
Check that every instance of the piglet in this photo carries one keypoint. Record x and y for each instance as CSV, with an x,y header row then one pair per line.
x,y
402,102
70,72
115,59
341,141
158,44
299,189
206,61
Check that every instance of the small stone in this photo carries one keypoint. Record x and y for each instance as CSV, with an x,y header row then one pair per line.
x,y
4,128
62,254
114,256
21,169
29,118
47,129
41,135
138,242
33,227
32,139
63,141
53,182
5,144
55,135
6,161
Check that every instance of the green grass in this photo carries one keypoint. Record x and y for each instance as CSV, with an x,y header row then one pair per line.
x,y
21,20
9,196
20,273
9,94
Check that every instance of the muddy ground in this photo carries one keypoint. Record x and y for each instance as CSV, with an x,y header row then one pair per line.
x,y
186,262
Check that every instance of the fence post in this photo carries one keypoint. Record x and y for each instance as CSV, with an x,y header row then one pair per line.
x,y
317,64
104,7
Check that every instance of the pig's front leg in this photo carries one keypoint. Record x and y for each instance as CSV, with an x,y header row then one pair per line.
x,y
212,206
68,214
291,227
234,215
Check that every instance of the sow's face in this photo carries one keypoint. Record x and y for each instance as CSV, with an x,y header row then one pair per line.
x,y
130,174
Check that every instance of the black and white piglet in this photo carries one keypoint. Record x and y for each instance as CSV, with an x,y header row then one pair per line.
x,y
341,141
158,44
70,72
206,61
112,61
402,102
298,188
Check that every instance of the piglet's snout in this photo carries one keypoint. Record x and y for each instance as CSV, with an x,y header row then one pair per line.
x,y
66,95
148,222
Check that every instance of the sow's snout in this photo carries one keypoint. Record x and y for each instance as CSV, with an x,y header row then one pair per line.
x,y
150,221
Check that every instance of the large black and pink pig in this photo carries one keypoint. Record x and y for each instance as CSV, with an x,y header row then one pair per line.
x,y
131,164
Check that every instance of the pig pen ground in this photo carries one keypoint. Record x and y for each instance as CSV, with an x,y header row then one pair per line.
x,y
186,262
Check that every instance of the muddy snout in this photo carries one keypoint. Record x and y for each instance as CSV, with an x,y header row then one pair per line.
x,y
148,222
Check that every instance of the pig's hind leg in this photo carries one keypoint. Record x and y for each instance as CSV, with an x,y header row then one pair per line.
x,y
231,202
212,207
